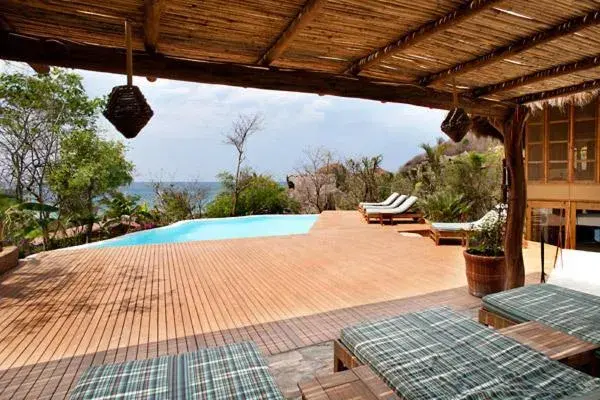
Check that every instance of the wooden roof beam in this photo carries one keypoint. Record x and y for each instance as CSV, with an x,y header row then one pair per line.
x,y
552,72
560,92
152,12
38,68
566,28
310,9
111,60
423,32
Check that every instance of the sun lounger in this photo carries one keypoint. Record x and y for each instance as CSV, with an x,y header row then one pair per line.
x,y
235,371
569,302
566,310
457,230
395,204
386,202
402,211
439,354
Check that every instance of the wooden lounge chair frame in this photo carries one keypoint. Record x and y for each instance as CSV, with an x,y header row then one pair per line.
x,y
438,235
494,320
382,217
343,358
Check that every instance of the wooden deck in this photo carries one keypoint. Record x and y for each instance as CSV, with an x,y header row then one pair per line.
x,y
67,310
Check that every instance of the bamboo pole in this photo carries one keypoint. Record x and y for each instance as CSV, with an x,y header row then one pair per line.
x,y
129,53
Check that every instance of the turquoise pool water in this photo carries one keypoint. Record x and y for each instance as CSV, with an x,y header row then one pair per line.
x,y
214,229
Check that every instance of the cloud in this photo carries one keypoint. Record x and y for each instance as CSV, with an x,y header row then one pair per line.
x,y
184,139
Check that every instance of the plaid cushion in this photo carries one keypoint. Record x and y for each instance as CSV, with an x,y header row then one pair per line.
x,y
438,354
566,310
236,371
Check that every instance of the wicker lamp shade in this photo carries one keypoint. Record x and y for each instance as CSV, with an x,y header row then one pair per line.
x,y
456,124
128,110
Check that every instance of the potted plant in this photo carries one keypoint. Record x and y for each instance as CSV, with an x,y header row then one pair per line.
x,y
484,257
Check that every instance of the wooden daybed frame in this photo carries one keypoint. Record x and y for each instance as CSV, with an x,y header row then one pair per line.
x,y
438,235
343,358
382,217
494,320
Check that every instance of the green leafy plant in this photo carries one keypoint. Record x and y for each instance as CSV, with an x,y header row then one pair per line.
x,y
124,211
174,203
487,239
445,206
261,195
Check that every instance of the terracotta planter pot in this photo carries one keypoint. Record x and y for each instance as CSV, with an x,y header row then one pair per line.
x,y
485,275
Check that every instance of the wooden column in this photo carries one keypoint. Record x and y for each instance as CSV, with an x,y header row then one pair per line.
x,y
514,130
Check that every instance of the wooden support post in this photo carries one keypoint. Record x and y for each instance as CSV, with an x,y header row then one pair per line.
x,y
514,131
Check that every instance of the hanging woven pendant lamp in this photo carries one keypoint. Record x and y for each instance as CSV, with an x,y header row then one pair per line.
x,y
127,108
457,123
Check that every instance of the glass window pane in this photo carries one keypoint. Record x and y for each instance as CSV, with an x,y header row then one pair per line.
x,y
584,143
549,223
585,170
587,232
559,152
559,131
535,133
557,171
556,113
585,152
536,116
535,172
536,152
587,111
585,130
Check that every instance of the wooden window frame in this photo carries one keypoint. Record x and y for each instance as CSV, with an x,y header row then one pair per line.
x,y
570,147
548,124
572,162
543,125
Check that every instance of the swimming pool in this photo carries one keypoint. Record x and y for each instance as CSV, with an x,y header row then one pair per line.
x,y
215,229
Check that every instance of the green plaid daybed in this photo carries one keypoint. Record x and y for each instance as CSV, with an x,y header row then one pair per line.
x,y
236,371
439,354
575,313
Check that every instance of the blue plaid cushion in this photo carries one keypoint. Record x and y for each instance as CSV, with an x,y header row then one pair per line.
x,y
438,354
566,310
235,371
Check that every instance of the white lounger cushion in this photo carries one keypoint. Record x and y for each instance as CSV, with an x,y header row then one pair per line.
x,y
405,206
395,204
386,202
577,270
464,226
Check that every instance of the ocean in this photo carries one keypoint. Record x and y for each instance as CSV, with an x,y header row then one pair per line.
x,y
146,193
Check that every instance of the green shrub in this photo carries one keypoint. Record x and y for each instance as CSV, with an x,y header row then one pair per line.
x,y
260,195
445,206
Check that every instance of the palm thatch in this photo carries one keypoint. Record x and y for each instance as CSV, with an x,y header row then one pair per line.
x,y
496,53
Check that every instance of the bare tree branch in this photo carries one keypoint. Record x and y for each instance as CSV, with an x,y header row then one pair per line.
x,y
242,128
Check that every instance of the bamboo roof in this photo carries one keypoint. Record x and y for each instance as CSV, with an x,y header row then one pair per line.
x,y
492,53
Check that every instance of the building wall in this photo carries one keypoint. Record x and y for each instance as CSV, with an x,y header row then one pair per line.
x,y
562,150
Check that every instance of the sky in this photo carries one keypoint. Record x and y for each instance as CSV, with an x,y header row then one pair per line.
x,y
184,139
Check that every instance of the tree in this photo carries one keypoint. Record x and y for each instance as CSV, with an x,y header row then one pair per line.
x,y
124,210
88,167
318,176
243,127
367,181
262,195
175,203
36,111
